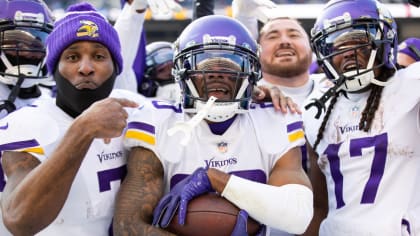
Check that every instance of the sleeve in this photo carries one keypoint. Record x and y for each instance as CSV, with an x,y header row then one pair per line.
x,y
141,128
401,95
19,134
147,125
129,27
277,133
250,22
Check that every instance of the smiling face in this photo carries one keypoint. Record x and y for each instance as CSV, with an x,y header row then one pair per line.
x,y
285,48
219,78
86,65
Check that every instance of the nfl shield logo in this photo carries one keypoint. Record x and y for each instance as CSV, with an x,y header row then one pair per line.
x,y
222,147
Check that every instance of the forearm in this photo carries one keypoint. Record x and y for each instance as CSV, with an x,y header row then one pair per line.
x,y
129,26
265,202
319,216
251,24
249,20
33,199
139,193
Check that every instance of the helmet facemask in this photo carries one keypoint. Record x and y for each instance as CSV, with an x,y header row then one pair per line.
x,y
21,57
219,70
22,50
354,49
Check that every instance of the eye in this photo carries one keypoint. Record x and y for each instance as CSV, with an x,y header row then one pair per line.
x,y
271,36
294,35
72,57
99,57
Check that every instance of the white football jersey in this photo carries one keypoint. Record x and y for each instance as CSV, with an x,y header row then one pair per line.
x,y
249,148
372,177
89,207
299,96
19,103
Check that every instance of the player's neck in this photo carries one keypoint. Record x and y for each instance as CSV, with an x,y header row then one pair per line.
x,y
294,81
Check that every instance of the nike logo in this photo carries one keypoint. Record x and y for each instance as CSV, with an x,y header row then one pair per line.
x,y
4,127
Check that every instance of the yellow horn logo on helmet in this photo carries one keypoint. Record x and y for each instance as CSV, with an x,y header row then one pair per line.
x,y
88,28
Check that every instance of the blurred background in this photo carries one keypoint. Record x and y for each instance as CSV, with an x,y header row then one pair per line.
x,y
168,27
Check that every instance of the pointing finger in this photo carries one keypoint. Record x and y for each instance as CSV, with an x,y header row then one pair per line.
x,y
126,103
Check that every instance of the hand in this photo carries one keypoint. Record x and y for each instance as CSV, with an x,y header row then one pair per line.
x,y
240,228
273,94
263,10
241,224
106,118
164,7
194,185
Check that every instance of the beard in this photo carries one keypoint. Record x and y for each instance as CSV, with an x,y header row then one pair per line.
x,y
286,69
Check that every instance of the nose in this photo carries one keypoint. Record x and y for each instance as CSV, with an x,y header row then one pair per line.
x,y
86,67
283,40
349,52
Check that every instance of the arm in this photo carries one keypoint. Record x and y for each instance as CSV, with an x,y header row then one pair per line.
x,y
320,195
262,10
129,26
288,170
35,192
288,192
139,194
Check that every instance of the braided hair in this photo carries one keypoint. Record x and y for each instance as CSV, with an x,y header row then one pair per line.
x,y
372,103
321,129
368,113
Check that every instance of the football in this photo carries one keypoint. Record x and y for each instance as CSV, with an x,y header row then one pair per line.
x,y
210,215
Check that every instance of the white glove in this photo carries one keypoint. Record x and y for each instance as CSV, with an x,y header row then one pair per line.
x,y
263,10
164,7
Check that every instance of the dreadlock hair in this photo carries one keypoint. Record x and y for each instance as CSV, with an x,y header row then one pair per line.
x,y
321,129
372,103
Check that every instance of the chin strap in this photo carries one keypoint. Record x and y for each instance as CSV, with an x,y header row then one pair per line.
x,y
320,102
8,104
187,127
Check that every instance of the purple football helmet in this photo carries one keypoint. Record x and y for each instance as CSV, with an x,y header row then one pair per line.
x,y
221,38
159,55
24,26
347,26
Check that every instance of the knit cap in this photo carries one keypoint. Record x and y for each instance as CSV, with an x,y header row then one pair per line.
x,y
82,22
410,47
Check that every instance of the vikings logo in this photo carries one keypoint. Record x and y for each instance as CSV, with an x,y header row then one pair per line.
x,y
88,28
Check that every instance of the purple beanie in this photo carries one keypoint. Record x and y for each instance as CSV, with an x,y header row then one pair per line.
x,y
404,47
82,23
